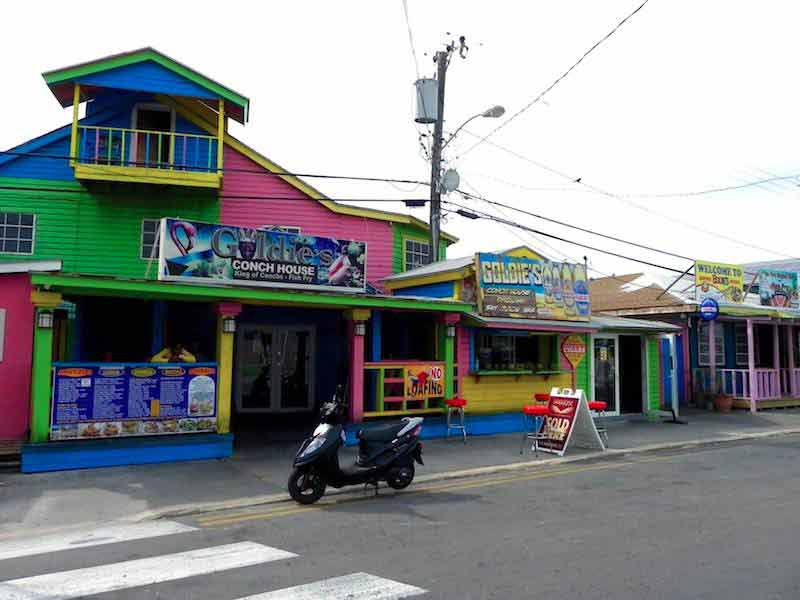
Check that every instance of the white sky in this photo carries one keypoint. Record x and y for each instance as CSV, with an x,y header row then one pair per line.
x,y
686,96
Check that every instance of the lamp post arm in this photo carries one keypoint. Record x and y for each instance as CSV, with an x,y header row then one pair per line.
x,y
460,127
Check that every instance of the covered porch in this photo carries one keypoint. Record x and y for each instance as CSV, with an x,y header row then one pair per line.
x,y
754,359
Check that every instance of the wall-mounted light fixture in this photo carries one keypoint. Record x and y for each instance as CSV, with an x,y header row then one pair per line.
x,y
229,325
451,331
44,319
360,328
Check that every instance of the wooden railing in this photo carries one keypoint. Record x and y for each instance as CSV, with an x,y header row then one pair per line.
x,y
114,146
736,383
384,389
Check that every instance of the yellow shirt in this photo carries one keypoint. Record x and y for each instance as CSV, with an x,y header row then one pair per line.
x,y
164,356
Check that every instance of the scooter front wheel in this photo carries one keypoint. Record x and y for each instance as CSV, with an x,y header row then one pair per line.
x,y
306,486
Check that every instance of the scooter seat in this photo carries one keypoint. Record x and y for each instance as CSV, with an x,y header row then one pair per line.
x,y
381,433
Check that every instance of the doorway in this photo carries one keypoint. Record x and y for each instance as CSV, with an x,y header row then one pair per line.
x,y
605,366
630,374
275,369
152,148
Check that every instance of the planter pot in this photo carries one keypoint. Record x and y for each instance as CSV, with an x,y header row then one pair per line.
x,y
723,403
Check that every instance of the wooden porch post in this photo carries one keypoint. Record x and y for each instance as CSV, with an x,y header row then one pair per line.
x,y
356,322
450,321
226,311
751,365
220,135
41,366
73,140
776,355
790,358
712,355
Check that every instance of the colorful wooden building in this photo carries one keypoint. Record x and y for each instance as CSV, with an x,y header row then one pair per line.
x,y
505,359
754,357
83,293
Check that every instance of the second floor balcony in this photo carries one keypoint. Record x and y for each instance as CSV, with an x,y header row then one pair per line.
x,y
134,155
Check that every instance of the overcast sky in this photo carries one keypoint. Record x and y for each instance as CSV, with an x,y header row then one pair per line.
x,y
686,96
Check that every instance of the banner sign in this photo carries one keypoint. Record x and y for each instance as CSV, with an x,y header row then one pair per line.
x,y
568,420
516,287
103,400
722,282
573,348
423,382
207,253
778,288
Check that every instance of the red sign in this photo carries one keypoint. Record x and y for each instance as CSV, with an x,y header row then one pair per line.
x,y
574,349
561,412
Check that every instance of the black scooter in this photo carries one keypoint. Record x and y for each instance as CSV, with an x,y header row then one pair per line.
x,y
385,453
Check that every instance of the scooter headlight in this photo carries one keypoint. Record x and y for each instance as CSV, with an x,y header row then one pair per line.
x,y
314,445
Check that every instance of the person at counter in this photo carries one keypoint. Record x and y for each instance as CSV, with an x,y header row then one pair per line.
x,y
174,353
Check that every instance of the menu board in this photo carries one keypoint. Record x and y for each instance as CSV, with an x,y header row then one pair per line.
x,y
102,400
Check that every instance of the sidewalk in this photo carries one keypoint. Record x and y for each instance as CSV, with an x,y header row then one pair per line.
x,y
258,474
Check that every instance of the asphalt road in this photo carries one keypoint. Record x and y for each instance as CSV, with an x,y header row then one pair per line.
x,y
708,523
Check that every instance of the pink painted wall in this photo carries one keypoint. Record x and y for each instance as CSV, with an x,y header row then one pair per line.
x,y
462,354
15,368
298,210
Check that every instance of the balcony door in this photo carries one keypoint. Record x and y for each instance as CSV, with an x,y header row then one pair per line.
x,y
151,122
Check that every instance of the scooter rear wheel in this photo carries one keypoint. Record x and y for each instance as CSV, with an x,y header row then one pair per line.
x,y
306,487
401,477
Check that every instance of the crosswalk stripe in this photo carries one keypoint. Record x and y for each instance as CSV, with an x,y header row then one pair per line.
x,y
95,537
357,586
134,573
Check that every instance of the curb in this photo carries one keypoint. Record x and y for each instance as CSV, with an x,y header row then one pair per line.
x,y
252,501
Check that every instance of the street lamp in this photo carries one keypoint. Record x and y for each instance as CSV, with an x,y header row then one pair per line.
x,y
495,112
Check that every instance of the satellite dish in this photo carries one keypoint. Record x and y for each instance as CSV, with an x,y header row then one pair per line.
x,y
450,181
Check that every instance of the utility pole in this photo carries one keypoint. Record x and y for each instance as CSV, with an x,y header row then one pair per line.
x,y
442,58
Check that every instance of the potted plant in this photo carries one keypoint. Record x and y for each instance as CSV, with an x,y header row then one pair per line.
x,y
723,403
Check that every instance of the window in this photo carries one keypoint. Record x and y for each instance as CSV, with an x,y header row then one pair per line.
x,y
417,254
150,235
740,331
282,228
514,352
703,356
16,233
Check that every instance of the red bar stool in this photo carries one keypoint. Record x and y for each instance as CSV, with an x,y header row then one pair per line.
x,y
533,419
600,408
455,409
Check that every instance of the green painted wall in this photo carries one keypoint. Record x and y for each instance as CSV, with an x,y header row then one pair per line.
x,y
401,229
98,232
582,372
653,374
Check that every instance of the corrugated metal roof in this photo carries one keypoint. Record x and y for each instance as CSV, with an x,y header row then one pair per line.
x,y
441,266
596,323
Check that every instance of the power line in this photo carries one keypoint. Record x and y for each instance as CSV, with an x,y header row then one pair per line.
x,y
625,199
411,37
12,188
556,82
561,239
583,229
193,168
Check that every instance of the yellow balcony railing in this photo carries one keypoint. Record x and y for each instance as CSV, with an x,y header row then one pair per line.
x,y
117,147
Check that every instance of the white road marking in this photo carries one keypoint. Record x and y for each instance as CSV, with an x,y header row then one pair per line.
x,y
358,586
134,573
94,537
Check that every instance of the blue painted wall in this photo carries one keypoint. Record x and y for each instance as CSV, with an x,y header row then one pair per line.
x,y
113,110
147,76
445,289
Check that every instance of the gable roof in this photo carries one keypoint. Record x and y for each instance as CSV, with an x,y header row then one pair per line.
x,y
457,265
623,292
153,70
202,118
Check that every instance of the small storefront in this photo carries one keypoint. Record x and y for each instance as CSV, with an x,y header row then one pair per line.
x,y
531,329
260,357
